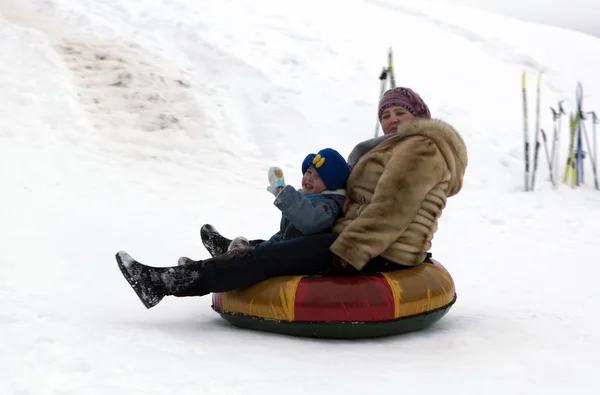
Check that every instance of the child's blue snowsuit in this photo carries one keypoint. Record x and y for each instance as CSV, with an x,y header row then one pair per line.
x,y
307,214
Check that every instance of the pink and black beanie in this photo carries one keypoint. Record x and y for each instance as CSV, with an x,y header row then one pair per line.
x,y
405,98
331,166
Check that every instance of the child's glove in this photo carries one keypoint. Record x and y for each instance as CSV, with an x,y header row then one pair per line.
x,y
276,181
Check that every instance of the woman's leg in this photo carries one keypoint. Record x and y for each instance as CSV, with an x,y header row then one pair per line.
x,y
306,255
380,264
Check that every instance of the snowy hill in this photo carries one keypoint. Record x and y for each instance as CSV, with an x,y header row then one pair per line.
x,y
127,125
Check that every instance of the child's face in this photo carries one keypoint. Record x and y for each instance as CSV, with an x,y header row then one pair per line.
x,y
311,182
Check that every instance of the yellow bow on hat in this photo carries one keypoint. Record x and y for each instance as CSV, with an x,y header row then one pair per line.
x,y
318,161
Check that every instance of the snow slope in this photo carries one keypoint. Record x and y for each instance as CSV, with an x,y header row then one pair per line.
x,y
128,124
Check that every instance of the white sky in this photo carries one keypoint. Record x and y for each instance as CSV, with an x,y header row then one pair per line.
x,y
581,15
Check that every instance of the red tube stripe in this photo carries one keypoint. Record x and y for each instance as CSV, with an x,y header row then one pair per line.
x,y
344,298
217,301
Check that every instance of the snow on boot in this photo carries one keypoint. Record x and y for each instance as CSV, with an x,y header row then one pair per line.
x,y
152,284
239,245
214,243
184,261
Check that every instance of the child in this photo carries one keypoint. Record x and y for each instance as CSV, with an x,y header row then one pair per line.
x,y
312,209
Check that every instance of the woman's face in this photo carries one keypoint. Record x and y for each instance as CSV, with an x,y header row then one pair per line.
x,y
392,117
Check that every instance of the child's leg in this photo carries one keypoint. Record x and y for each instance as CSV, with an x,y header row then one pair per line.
x,y
308,255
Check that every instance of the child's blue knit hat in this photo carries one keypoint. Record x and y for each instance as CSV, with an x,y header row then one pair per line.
x,y
331,166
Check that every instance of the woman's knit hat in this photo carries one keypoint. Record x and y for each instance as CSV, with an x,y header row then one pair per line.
x,y
331,166
405,98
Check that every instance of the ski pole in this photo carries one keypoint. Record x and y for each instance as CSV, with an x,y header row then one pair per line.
x,y
548,156
592,157
556,118
594,123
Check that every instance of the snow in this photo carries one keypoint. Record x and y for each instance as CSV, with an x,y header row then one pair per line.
x,y
125,258
126,125
571,14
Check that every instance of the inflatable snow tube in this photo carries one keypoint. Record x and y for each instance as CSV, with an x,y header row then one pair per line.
x,y
343,307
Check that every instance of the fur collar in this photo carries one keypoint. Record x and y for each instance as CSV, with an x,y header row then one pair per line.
x,y
340,191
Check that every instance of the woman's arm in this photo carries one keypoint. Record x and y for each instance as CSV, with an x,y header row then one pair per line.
x,y
415,168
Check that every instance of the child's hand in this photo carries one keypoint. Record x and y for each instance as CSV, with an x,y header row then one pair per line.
x,y
276,181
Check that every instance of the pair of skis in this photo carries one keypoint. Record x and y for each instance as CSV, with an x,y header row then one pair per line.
x,y
530,175
386,74
571,167
592,154
578,133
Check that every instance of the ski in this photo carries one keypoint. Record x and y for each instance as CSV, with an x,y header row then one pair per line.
x,y
579,155
386,73
391,68
525,128
383,78
537,132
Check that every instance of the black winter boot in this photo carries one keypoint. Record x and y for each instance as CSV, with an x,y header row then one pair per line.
x,y
152,284
213,241
216,244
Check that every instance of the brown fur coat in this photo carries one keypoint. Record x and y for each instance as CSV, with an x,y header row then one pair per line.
x,y
396,193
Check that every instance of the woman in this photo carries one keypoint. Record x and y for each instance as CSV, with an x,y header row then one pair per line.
x,y
397,189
